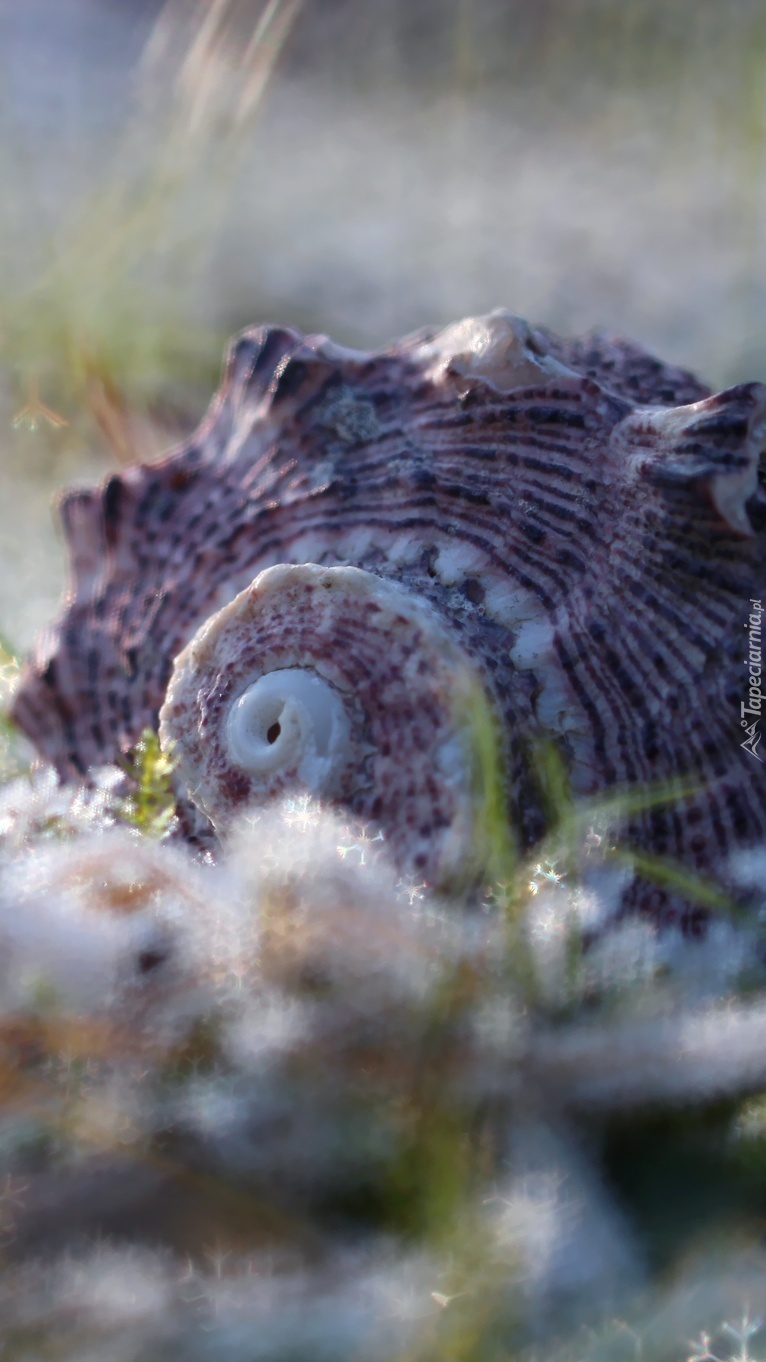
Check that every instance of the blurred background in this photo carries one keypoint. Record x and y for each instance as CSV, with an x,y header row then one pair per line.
x,y
170,173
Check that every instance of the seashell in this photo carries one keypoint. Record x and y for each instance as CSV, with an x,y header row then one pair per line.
x,y
580,523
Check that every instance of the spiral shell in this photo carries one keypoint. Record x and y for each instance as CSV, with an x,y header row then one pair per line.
x,y
583,523
333,682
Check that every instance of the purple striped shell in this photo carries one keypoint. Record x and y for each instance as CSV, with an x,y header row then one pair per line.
x,y
574,522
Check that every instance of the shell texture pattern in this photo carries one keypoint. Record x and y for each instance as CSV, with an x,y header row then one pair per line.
x,y
574,522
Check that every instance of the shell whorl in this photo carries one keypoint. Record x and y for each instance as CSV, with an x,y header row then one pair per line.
x,y
329,681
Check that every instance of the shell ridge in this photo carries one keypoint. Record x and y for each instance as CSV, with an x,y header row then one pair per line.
x,y
714,445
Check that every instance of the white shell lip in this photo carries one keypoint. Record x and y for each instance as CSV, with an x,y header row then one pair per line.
x,y
288,718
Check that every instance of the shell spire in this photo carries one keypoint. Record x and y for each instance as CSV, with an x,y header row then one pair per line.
x,y
584,523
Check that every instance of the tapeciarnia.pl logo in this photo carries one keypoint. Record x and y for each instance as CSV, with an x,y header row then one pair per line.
x,y
752,708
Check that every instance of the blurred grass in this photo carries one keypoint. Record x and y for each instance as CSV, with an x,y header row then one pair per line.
x,y
103,329
109,304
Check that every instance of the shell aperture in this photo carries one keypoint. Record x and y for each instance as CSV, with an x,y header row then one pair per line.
x,y
290,713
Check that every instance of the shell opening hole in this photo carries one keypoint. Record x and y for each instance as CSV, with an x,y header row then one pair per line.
x,y
288,719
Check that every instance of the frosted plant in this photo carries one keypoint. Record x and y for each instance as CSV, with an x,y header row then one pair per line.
x,y
35,806
288,1049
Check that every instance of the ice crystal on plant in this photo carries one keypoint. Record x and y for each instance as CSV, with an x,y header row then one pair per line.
x,y
230,1073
